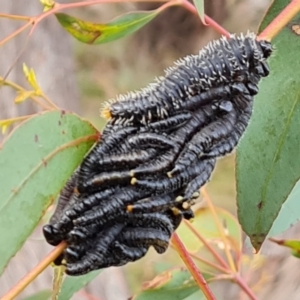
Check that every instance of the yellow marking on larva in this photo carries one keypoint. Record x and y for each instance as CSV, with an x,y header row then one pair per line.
x,y
186,205
169,174
129,208
178,199
175,211
63,262
196,195
105,112
131,173
76,192
296,28
133,181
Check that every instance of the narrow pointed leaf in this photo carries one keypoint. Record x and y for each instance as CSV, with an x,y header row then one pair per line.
x,y
4,124
48,4
35,162
200,8
92,33
294,245
8,122
59,272
268,160
30,76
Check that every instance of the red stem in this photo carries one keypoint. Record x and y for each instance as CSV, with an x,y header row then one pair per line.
x,y
189,6
15,33
14,17
211,264
208,246
285,16
192,267
240,281
29,277
216,26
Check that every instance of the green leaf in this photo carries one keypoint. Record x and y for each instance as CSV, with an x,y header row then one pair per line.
x,y
294,245
92,33
71,285
160,267
268,160
196,296
175,284
200,8
48,4
43,295
35,162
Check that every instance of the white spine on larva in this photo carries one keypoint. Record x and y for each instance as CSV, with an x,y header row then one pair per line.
x,y
201,71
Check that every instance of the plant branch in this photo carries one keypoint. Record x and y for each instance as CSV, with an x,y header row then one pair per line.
x,y
4,123
168,4
15,17
277,24
190,7
15,33
39,268
21,51
59,7
21,89
221,277
207,245
178,245
243,285
220,228
209,263
48,100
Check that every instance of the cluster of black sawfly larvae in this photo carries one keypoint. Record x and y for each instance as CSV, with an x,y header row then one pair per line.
x,y
159,147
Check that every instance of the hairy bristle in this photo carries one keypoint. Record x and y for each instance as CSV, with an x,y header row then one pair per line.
x,y
216,65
